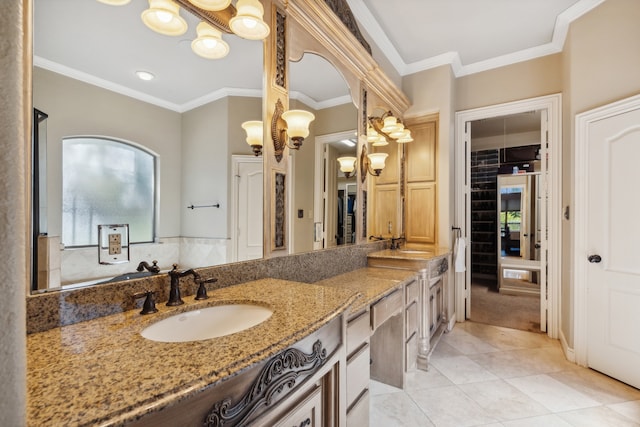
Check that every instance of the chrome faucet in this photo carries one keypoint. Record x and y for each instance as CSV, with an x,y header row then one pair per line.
x,y
395,242
174,291
150,268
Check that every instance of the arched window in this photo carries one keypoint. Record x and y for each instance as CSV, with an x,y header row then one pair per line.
x,y
105,181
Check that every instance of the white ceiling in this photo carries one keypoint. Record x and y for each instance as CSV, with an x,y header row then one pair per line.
x,y
105,45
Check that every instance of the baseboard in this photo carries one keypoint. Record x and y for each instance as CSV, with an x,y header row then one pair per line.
x,y
569,353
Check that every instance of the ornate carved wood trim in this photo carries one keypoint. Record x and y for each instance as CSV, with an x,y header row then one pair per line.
x,y
343,11
279,231
219,19
281,50
283,371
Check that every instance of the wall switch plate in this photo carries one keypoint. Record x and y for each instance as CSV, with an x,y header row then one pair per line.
x,y
113,243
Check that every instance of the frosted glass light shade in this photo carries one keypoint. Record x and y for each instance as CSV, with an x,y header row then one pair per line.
x,y
390,124
347,164
377,160
248,22
406,137
211,4
115,2
380,141
297,123
209,43
254,132
372,135
163,16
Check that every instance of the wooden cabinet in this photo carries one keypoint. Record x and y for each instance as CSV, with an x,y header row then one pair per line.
x,y
308,412
385,214
420,181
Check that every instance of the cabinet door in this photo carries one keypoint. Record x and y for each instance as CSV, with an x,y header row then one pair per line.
x,y
421,212
420,154
385,210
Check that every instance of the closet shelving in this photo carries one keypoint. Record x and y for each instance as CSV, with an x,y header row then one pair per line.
x,y
484,168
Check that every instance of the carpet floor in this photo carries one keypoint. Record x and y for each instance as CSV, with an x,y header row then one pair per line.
x,y
510,311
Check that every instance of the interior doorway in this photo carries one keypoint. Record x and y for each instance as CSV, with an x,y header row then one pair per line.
x,y
547,274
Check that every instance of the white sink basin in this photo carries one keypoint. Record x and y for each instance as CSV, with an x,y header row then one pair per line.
x,y
206,323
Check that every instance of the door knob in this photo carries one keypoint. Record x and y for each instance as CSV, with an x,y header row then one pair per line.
x,y
594,258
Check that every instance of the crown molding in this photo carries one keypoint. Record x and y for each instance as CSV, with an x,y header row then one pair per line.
x,y
377,34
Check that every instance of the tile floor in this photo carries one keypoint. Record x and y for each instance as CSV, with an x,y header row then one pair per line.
x,y
484,375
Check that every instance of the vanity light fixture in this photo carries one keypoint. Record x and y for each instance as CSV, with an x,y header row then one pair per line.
x,y
209,43
248,22
255,132
163,16
285,125
213,5
369,163
387,127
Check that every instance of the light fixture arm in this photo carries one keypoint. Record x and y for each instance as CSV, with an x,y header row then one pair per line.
x,y
377,123
292,124
218,19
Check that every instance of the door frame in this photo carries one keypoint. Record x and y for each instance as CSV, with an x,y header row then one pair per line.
x,y
318,181
236,159
552,105
580,216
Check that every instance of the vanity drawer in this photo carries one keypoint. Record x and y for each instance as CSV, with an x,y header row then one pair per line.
x,y
358,414
358,331
411,292
306,413
411,319
386,308
357,374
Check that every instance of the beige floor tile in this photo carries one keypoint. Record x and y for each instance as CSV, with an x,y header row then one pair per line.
x,y
600,416
420,380
600,387
396,410
518,363
451,407
467,343
502,400
630,410
376,388
551,420
462,370
552,394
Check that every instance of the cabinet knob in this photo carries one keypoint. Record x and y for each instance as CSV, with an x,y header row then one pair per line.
x,y
594,259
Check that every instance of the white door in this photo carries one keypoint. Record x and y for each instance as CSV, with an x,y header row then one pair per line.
x,y
331,196
612,256
249,209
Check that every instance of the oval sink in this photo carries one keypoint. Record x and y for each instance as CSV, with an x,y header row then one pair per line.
x,y
206,323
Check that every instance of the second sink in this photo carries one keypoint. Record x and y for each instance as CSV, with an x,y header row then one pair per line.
x,y
206,323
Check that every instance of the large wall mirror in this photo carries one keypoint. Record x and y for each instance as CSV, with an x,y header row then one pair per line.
x,y
186,120
317,216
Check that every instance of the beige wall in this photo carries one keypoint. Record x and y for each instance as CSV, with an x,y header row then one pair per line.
x,y
540,76
328,120
601,59
76,108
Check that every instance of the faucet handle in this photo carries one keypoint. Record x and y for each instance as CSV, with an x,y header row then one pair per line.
x,y
202,290
149,305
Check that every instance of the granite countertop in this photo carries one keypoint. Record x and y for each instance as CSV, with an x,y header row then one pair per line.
x,y
103,372
371,283
419,253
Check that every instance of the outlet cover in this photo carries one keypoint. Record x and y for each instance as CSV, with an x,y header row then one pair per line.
x,y
113,243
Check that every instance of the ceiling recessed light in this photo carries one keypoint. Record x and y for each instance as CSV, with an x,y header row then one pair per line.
x,y
145,75
348,142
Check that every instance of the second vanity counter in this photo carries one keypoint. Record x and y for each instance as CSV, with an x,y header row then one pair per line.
x,y
103,372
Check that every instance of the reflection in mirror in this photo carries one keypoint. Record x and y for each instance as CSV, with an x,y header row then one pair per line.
x,y
314,174
519,229
188,118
